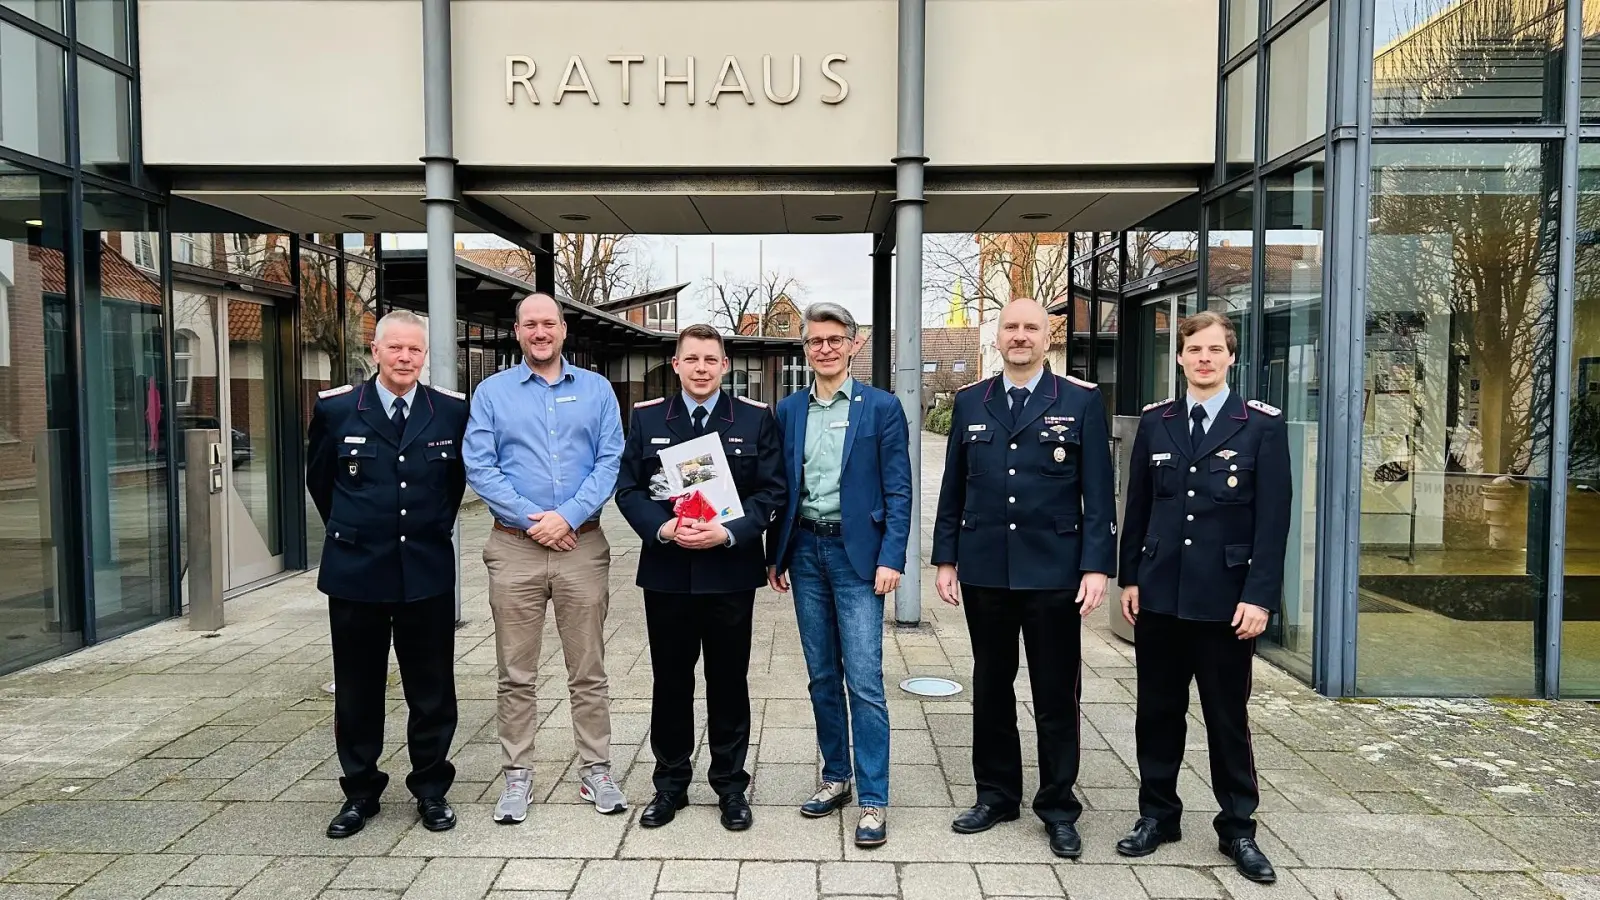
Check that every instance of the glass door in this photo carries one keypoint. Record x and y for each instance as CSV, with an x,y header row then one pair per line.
x,y
251,438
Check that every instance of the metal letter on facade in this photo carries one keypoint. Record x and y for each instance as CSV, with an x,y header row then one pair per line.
x,y
525,79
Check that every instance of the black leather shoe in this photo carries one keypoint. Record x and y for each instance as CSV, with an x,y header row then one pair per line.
x,y
736,815
1248,859
436,814
352,818
1147,837
1064,840
662,809
981,818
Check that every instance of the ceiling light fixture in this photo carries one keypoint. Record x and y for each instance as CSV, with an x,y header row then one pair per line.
x,y
575,217
827,217
358,217
1034,217
33,223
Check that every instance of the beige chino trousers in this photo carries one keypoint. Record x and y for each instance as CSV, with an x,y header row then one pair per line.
x,y
525,577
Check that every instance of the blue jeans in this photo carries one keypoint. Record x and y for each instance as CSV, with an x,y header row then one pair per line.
x,y
841,632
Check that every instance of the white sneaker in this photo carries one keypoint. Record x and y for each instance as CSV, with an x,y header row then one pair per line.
x,y
599,789
513,805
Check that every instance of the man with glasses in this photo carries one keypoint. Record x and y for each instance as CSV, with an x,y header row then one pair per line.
x,y
842,540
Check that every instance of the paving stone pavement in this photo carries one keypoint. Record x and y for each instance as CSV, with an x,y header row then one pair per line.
x,y
173,764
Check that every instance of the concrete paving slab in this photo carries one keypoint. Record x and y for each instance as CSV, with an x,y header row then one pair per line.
x,y
859,878
87,826
133,877
1550,843
446,878
1366,841
543,875
1020,880
293,829
777,881
699,876
1175,883
924,835
221,871
939,881
697,833
378,873
551,831
610,879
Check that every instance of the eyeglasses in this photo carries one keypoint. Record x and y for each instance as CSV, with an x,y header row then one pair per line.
x,y
834,342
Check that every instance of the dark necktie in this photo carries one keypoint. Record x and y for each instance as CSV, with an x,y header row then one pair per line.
x,y
1197,430
699,420
1019,399
398,417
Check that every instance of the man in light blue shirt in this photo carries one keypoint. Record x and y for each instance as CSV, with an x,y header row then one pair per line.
x,y
542,449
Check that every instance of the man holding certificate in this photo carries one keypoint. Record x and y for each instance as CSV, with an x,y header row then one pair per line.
x,y
701,479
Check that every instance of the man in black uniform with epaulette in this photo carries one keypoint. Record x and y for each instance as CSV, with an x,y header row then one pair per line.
x,y
1203,541
700,578
1026,532
384,469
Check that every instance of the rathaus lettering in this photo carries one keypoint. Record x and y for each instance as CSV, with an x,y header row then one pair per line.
x,y
782,88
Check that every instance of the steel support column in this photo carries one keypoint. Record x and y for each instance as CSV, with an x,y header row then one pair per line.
x,y
882,306
544,265
439,174
908,202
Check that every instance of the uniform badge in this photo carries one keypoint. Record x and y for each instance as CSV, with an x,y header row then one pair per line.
x,y
353,466
1233,481
1061,454
355,439
1227,454
1160,457
1058,428
978,427
661,440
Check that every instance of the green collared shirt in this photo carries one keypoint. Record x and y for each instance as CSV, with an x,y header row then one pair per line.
x,y
826,421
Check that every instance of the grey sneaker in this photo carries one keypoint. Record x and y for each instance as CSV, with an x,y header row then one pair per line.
x,y
513,805
599,789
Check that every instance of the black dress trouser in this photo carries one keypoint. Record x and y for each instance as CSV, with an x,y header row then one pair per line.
x,y
424,645
1169,652
1052,633
680,626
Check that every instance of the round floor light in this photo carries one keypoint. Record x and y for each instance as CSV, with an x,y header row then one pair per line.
x,y
928,686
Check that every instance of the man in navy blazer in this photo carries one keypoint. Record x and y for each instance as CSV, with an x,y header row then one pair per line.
x,y
842,539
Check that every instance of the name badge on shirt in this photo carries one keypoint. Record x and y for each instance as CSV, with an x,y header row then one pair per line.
x,y
661,440
1160,457
734,440
978,427
355,439
844,424
565,399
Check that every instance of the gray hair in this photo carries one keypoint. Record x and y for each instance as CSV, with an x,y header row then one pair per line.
x,y
830,312
400,317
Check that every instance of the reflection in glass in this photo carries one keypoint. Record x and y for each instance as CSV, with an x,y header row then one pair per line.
x,y
1589,95
1156,337
1242,18
264,257
1297,84
1228,272
1153,252
1580,634
1456,421
322,366
255,535
1281,8
103,25
1458,62
1239,90
33,94
127,410
361,320
105,120
1292,314
45,12
197,391
40,605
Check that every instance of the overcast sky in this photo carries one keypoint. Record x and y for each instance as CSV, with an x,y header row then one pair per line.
x,y
833,267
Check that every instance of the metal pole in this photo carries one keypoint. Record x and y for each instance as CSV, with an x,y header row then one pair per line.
x,y
1566,275
440,202
882,307
544,265
908,203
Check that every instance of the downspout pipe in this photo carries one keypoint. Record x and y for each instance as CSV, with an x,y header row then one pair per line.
x,y
439,202
909,162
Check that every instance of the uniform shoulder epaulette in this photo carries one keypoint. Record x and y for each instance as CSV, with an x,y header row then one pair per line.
x,y
754,402
1267,408
972,384
1080,382
643,403
449,393
1158,404
334,392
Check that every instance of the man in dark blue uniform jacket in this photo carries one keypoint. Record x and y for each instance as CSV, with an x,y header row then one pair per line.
x,y
384,470
1203,541
1027,527
700,579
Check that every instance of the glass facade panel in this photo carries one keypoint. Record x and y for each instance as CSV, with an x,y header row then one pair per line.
x,y
1459,62
1281,8
1239,104
33,80
40,600
1580,633
263,257
361,321
127,409
1456,420
45,12
197,388
1297,84
1153,252
105,116
1156,335
1229,266
1242,18
103,25
1291,304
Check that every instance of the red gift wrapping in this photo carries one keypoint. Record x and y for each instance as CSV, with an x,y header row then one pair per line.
x,y
695,506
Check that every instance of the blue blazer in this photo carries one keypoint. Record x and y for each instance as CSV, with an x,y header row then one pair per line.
x,y
874,484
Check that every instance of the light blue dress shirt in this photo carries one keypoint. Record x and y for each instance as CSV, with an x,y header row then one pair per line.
x,y
387,398
533,446
1213,407
689,405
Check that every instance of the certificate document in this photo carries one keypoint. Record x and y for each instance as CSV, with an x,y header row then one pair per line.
x,y
701,465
